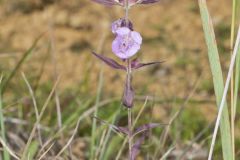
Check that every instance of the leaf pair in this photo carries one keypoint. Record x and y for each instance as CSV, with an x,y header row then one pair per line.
x,y
135,64
144,129
122,2
123,130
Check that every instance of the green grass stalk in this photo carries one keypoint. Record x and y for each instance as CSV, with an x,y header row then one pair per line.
x,y
232,78
20,63
236,81
232,63
94,125
217,79
6,155
26,148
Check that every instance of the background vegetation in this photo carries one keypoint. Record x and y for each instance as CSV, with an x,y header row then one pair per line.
x,y
51,85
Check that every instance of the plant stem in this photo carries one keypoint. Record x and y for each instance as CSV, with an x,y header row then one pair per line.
x,y
232,79
2,127
130,132
129,74
126,10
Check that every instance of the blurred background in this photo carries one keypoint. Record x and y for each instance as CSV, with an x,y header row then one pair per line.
x,y
179,90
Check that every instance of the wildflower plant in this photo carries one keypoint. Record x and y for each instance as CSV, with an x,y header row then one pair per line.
x,y
126,44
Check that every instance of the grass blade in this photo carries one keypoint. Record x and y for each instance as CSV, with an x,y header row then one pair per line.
x,y
235,20
34,104
108,136
24,155
217,79
100,84
32,150
19,64
94,126
6,155
224,95
8,149
236,86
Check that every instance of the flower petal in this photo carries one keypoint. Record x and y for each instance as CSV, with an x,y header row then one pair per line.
x,y
137,37
123,31
115,46
133,50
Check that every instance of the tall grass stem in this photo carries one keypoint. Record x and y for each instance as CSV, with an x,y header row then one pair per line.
x,y
224,94
217,75
6,155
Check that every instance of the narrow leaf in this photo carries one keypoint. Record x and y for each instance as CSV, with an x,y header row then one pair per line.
x,y
237,80
110,62
217,78
136,147
135,64
146,127
32,150
106,2
148,1
19,64
122,130
3,132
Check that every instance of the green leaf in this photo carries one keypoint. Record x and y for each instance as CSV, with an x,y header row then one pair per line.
x,y
32,150
217,78
6,155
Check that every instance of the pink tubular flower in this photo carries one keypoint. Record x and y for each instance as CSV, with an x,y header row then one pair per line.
x,y
126,43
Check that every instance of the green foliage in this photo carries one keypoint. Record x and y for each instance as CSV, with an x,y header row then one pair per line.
x,y
217,79
6,155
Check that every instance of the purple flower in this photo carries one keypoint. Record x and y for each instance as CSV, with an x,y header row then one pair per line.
x,y
121,23
126,43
